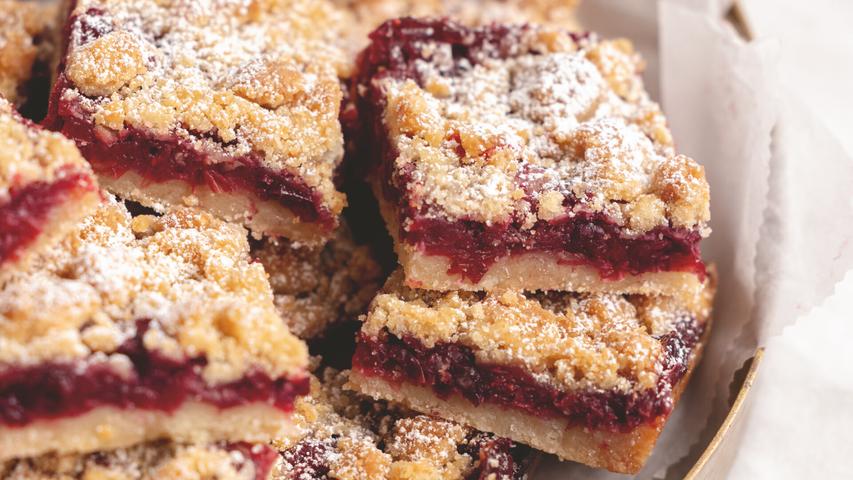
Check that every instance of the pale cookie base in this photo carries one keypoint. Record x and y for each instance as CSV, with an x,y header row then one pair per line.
x,y
617,452
262,217
528,271
61,220
109,428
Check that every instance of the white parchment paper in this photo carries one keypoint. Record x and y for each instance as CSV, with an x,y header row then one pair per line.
x,y
782,220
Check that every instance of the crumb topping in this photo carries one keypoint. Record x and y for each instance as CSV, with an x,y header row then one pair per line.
x,y
186,272
314,287
571,340
361,438
29,154
142,462
20,25
232,77
558,124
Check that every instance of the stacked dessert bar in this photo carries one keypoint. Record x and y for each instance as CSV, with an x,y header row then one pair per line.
x,y
551,288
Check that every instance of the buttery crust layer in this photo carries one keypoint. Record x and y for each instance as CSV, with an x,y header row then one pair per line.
x,y
109,428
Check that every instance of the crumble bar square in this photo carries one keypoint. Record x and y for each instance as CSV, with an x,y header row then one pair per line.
x,y
136,329
231,106
589,377
525,157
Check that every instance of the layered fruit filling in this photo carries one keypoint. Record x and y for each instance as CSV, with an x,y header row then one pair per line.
x,y
23,217
494,458
152,382
586,238
578,235
160,158
450,369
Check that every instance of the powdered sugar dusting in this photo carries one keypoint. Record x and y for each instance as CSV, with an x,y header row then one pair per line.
x,y
486,135
352,436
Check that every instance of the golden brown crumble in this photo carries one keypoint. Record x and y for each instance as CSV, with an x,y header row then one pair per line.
x,y
30,154
152,461
515,137
23,28
314,287
363,16
240,75
187,272
574,341
374,440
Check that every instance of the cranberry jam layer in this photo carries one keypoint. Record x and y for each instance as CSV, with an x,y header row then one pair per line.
x,y
141,328
526,157
45,188
354,436
151,461
252,135
151,381
598,365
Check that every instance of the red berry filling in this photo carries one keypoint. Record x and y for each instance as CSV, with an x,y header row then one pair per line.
x,y
451,369
22,219
60,390
585,238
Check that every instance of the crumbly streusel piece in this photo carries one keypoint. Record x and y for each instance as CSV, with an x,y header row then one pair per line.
x,y
354,437
26,45
589,377
524,157
141,328
45,188
316,287
151,461
231,106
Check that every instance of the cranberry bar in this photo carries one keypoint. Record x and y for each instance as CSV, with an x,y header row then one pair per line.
x,y
350,436
45,188
151,461
232,107
319,287
524,157
135,329
589,377
26,45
